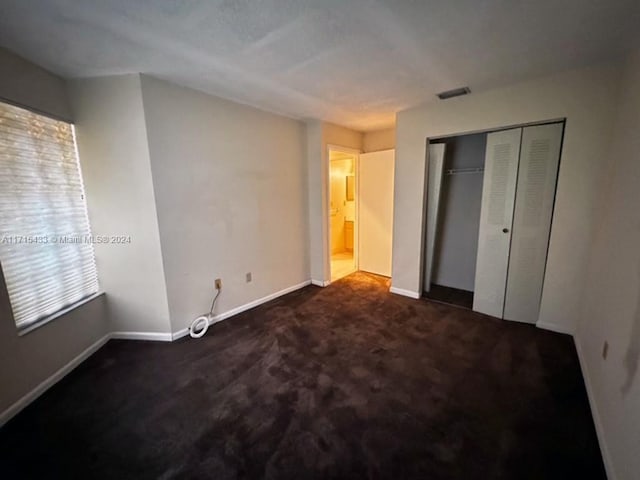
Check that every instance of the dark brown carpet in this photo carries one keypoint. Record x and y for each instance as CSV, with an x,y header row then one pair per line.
x,y
343,382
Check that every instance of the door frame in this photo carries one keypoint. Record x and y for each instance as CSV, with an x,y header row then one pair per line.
x,y
423,238
327,215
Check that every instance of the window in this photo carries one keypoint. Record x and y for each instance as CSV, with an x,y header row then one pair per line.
x,y
46,249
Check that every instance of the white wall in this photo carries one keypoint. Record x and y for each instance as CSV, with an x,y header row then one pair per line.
x,y
586,98
316,199
611,309
338,135
319,136
27,85
378,140
28,360
230,185
456,247
112,143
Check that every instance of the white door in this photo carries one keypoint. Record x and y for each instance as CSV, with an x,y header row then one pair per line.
x,y
496,216
535,194
434,184
375,211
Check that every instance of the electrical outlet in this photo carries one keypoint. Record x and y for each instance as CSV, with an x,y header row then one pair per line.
x,y
218,284
248,277
605,349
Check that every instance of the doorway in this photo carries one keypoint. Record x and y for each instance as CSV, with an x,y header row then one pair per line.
x,y
343,226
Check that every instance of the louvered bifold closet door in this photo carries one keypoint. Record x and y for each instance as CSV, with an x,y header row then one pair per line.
x,y
47,259
535,194
498,194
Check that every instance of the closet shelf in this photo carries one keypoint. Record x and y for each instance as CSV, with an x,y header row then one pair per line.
x,y
460,171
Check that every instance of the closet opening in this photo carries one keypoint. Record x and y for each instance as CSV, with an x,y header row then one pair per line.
x,y
488,214
456,195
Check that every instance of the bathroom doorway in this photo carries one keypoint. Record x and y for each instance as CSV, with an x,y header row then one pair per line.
x,y
343,228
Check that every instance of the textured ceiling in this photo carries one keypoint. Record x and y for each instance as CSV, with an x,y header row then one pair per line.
x,y
352,62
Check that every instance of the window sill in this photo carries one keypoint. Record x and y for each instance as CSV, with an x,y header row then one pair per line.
x,y
59,313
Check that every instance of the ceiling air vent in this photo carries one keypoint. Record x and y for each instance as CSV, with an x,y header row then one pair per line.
x,y
456,92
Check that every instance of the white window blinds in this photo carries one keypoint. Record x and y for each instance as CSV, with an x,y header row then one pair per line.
x,y
45,241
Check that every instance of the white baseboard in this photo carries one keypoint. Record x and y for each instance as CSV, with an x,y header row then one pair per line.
x,y
153,336
19,405
320,283
606,456
179,334
554,328
404,293
247,306
23,402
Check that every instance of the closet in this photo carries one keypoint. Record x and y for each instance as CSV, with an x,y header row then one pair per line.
x,y
490,196
455,197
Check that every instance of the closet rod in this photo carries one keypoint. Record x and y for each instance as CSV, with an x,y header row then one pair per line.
x,y
458,171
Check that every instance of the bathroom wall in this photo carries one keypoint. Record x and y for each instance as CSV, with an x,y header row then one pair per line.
x,y
340,209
